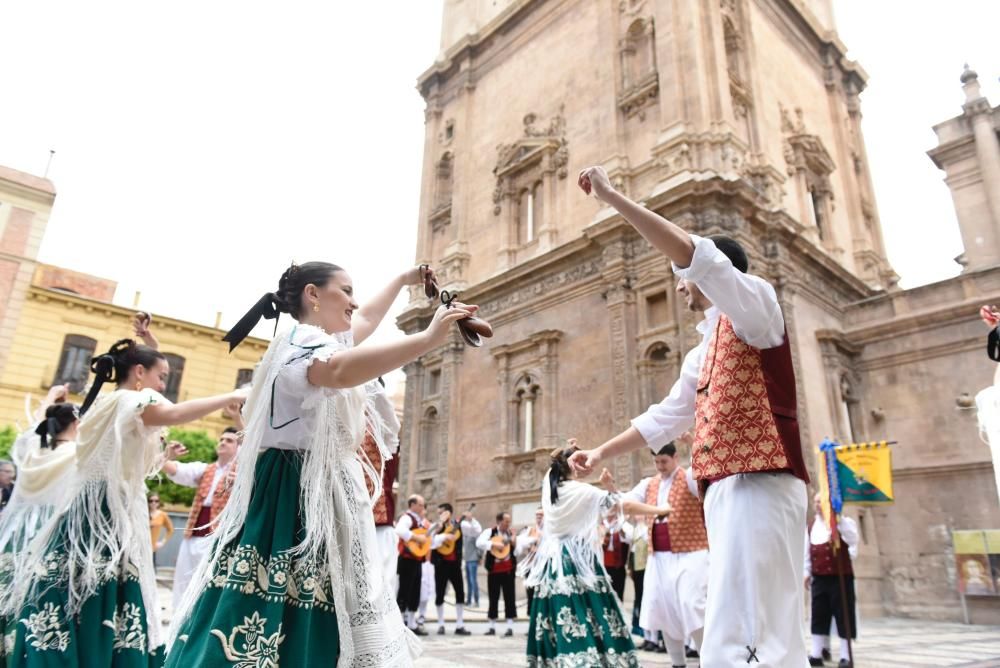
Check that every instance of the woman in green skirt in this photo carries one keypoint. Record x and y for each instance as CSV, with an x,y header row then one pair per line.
x,y
83,591
291,578
576,618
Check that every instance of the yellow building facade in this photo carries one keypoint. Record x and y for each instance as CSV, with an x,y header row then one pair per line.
x,y
67,317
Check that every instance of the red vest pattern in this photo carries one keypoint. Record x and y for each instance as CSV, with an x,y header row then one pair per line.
x,y
385,506
825,563
745,410
615,550
687,517
415,523
198,518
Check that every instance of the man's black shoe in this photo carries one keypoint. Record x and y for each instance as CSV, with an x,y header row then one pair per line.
x,y
844,663
813,661
690,652
419,631
491,632
508,633
826,654
460,631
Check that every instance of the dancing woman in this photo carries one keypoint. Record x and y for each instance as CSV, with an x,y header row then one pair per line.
x,y
83,592
576,619
45,457
292,577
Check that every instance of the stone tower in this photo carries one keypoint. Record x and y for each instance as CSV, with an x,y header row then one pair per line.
x,y
968,151
725,116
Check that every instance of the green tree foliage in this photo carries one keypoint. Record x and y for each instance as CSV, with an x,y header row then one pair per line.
x,y
201,448
7,436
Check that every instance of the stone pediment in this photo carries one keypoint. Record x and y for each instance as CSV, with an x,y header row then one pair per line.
x,y
522,470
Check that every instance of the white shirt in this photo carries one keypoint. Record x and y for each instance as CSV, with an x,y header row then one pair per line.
x,y
627,531
820,534
483,542
638,493
748,301
189,474
525,540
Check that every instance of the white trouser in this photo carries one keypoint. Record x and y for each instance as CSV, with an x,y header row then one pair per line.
x,y
755,606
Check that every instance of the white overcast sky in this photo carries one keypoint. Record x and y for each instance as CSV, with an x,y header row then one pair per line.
x,y
201,146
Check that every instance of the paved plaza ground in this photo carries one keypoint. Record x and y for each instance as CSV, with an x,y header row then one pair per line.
x,y
883,643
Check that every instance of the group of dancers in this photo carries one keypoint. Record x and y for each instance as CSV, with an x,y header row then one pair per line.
x,y
296,570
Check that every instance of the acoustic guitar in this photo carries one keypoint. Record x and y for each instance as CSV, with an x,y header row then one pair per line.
x,y
500,547
448,547
416,549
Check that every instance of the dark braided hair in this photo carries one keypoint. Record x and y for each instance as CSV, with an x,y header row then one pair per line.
x,y
58,418
115,365
560,470
287,299
293,283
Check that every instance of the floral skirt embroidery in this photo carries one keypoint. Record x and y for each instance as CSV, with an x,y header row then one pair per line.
x,y
110,629
574,624
263,608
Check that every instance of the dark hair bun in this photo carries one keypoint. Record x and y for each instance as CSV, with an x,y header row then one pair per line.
x,y
288,297
57,418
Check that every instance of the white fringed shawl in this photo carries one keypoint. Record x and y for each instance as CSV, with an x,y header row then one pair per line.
x,y
571,523
104,517
335,422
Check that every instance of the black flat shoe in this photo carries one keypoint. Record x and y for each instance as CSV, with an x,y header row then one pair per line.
x,y
491,632
691,653
419,631
813,661
508,633
440,630
460,631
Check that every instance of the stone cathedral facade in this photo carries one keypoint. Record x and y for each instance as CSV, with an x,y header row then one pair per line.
x,y
732,116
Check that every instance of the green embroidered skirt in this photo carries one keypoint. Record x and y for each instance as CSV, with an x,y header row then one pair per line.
x,y
574,624
110,629
262,608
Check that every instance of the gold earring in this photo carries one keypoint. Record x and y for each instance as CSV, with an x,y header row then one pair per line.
x,y
138,386
316,307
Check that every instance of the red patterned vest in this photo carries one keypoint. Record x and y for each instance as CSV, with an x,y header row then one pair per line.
x,y
199,517
686,526
745,410
824,562
615,551
416,522
385,505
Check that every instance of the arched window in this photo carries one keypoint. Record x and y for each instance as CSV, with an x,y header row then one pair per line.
x,y
173,388
525,217
638,53
74,362
658,372
527,394
427,457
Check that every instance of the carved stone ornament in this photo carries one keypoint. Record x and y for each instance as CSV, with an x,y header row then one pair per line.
x,y
543,147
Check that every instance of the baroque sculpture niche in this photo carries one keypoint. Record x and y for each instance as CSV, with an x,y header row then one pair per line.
x,y
525,173
809,166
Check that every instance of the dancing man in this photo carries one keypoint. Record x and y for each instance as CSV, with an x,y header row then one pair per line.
x,y
676,579
737,388
213,483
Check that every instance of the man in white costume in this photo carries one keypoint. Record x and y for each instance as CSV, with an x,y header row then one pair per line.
x,y
737,389
676,581
213,483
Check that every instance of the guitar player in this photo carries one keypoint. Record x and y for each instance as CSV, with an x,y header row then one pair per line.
x,y
499,543
447,560
414,545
